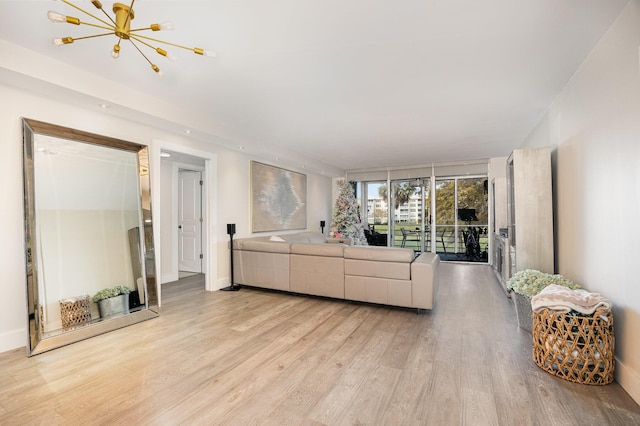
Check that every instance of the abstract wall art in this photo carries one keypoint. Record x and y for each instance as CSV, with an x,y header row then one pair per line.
x,y
278,198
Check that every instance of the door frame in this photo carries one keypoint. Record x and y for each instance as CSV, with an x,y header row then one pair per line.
x,y
209,202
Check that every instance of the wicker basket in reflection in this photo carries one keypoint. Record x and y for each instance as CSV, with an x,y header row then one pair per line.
x,y
576,348
75,311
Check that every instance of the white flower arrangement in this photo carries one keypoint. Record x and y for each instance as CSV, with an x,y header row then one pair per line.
x,y
531,282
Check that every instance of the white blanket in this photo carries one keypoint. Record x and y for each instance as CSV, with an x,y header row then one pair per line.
x,y
563,299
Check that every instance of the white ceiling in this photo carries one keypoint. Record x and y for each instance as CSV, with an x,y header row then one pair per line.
x,y
345,83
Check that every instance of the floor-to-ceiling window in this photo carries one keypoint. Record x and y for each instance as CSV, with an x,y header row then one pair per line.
x,y
410,216
377,213
461,218
445,216
439,208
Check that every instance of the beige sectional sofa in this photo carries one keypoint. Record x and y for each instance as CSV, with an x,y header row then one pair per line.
x,y
304,263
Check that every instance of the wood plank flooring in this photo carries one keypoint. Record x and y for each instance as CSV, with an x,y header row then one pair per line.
x,y
258,357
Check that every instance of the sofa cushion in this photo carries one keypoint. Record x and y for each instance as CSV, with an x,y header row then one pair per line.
x,y
318,275
383,254
380,262
378,290
311,249
378,269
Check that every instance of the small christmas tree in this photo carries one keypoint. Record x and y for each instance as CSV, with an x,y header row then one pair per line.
x,y
346,222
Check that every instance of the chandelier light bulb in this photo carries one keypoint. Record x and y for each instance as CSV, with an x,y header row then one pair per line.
x,y
115,52
59,17
164,26
61,41
157,70
164,53
56,17
201,51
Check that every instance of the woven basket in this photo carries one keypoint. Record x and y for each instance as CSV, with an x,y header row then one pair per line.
x,y
576,348
75,311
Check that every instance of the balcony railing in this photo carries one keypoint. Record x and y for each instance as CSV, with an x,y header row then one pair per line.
x,y
449,239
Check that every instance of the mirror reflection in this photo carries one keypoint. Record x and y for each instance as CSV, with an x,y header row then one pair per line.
x,y
90,263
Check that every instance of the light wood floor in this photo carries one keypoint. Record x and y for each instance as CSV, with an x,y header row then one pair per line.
x,y
257,357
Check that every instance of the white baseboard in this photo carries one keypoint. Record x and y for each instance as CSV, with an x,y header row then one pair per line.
x,y
628,379
13,339
221,283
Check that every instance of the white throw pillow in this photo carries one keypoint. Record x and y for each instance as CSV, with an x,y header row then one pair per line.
x,y
276,238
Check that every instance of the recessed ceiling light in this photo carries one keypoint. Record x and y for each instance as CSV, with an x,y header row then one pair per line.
x,y
165,154
104,106
240,147
188,131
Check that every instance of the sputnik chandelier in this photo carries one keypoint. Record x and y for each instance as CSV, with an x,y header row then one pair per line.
x,y
121,28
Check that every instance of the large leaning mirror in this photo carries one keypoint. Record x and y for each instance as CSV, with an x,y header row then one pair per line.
x,y
88,235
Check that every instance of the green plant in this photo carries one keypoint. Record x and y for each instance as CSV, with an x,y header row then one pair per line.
x,y
531,282
107,293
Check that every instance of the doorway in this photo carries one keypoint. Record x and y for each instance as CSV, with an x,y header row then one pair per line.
x,y
184,213
462,219
189,222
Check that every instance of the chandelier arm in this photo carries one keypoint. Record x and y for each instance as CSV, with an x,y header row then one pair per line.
x,y
85,12
158,50
153,66
108,16
92,36
141,29
138,37
138,49
128,18
110,27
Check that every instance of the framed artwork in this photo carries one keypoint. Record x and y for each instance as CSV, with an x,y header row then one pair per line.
x,y
278,198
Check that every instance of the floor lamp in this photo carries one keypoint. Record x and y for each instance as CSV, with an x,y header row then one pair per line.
x,y
231,229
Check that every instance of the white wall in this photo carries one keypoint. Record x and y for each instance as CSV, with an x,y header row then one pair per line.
x,y
168,255
594,126
231,195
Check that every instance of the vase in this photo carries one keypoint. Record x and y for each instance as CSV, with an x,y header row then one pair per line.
x,y
114,306
523,311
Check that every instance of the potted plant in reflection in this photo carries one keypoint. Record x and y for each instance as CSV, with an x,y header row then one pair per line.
x,y
113,301
526,284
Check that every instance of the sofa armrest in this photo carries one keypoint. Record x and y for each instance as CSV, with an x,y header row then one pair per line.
x,y
425,280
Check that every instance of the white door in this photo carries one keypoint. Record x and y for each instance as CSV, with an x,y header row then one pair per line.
x,y
189,221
